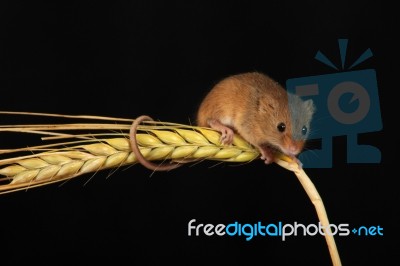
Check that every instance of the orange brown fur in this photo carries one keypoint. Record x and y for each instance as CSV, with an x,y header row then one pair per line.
x,y
252,104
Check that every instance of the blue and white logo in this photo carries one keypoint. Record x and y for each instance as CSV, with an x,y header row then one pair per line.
x,y
347,103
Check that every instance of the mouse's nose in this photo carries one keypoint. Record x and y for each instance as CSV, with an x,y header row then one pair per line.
x,y
295,147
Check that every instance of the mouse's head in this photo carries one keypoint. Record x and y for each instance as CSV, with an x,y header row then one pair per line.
x,y
291,127
301,113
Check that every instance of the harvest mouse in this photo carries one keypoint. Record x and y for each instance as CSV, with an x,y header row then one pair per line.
x,y
261,111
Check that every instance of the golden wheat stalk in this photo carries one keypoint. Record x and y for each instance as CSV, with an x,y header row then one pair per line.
x,y
110,148
90,153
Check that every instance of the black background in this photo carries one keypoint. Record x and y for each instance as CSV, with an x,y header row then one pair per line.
x,y
127,58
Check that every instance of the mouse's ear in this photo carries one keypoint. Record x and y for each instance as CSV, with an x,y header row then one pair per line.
x,y
310,107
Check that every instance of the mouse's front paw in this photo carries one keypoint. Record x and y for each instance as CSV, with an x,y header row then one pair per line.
x,y
267,155
268,160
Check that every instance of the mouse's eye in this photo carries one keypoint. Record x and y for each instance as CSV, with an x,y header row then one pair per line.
x,y
304,130
281,127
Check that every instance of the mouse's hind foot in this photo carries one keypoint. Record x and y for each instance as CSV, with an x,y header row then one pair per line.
x,y
227,133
